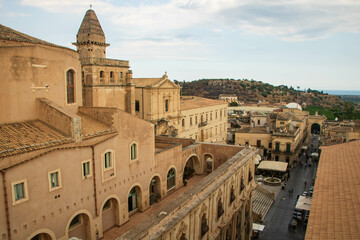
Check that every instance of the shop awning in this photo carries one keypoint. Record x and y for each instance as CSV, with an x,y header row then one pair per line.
x,y
258,227
273,166
303,203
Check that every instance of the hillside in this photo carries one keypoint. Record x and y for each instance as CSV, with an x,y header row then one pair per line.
x,y
251,91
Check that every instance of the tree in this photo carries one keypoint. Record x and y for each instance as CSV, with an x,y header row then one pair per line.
x,y
234,104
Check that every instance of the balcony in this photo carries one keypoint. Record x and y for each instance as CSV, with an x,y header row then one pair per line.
x,y
203,123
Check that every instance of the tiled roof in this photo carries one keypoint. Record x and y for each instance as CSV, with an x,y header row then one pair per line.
x,y
93,128
27,136
21,137
7,33
192,102
335,207
145,82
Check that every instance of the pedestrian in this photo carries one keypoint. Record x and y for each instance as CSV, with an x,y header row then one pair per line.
x,y
305,184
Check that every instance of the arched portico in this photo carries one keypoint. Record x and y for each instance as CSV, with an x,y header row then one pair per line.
x,y
315,128
192,166
42,234
154,190
135,200
208,162
110,214
80,227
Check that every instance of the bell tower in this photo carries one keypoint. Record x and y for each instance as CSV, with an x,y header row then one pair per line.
x,y
90,39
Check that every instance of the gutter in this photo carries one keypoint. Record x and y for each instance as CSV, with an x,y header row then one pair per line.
x,y
6,205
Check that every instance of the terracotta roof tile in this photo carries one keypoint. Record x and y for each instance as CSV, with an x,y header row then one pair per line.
x,y
335,208
93,128
192,102
26,136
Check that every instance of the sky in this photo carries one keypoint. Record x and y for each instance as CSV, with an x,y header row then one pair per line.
x,y
307,43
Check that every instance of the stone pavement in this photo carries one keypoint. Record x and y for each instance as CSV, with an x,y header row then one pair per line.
x,y
278,218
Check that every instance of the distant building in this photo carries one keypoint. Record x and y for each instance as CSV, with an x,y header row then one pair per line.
x,y
229,98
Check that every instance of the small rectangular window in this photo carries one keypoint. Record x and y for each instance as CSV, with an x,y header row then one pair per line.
x,y
133,151
86,169
54,179
19,192
137,106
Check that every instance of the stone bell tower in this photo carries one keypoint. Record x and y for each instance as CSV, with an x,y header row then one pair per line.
x,y
90,39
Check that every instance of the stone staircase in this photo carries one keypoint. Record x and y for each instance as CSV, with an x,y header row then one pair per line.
x,y
262,201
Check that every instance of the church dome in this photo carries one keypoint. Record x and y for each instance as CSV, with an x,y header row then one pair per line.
x,y
294,106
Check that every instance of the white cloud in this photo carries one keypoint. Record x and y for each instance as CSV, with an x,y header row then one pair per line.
x,y
289,20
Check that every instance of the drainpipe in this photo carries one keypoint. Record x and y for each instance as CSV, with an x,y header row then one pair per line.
x,y
6,205
94,178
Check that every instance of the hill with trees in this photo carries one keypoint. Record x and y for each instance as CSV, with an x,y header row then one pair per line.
x,y
251,91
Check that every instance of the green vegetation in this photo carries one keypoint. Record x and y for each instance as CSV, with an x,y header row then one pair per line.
x,y
234,104
348,112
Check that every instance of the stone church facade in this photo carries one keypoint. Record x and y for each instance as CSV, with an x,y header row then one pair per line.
x,y
77,161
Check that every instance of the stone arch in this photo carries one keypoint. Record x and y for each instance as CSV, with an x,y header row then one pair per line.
x,y
80,225
232,196
315,128
135,199
42,234
110,212
155,189
192,166
208,160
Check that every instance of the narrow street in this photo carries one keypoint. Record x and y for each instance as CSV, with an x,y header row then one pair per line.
x,y
278,218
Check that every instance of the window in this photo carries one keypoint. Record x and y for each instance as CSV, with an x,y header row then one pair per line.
x,y
277,146
76,221
133,151
276,158
137,106
210,116
19,191
112,76
270,145
183,122
132,200
70,87
121,75
86,169
196,120
171,179
55,180
190,121
166,105
258,122
258,143
101,74
107,162
216,114
107,205
288,147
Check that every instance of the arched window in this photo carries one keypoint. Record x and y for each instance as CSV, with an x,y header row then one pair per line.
x,y
111,76
171,179
102,75
70,86
133,150
132,200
